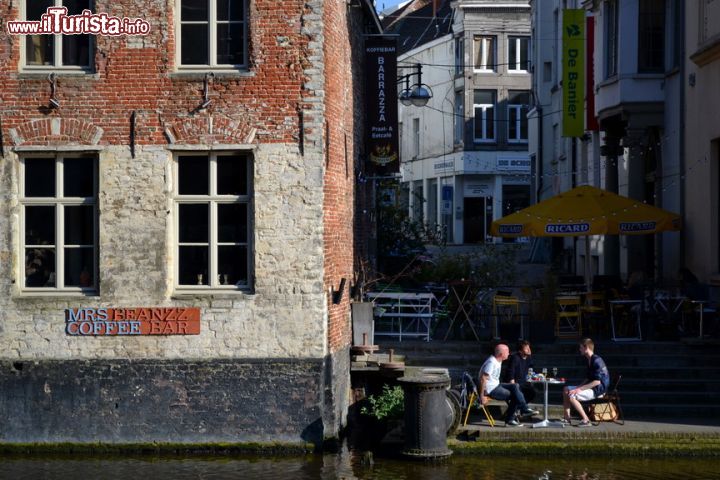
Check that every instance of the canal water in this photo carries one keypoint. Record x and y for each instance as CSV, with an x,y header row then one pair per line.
x,y
349,466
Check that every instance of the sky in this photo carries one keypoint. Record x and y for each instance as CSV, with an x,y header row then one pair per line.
x,y
381,5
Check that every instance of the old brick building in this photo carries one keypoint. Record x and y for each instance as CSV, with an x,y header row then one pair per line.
x,y
209,163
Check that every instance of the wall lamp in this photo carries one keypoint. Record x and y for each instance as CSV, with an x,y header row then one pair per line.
x,y
419,94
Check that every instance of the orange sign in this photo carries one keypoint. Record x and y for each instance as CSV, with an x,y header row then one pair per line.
x,y
132,321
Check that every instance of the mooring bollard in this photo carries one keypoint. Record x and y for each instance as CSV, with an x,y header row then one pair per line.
x,y
428,415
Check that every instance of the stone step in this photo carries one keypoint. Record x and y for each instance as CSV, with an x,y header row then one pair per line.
x,y
631,411
657,374
566,361
563,347
650,398
622,360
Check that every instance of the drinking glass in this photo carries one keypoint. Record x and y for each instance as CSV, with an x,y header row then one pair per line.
x,y
544,372
555,372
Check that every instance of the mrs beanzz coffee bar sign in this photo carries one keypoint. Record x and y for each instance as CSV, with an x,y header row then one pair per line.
x,y
132,321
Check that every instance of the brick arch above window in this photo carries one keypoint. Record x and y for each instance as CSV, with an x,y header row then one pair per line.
x,y
55,131
211,130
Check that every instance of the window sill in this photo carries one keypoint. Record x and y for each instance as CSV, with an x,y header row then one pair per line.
x,y
485,71
211,293
55,295
218,73
42,73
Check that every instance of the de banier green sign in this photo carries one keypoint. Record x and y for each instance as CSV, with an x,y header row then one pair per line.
x,y
573,66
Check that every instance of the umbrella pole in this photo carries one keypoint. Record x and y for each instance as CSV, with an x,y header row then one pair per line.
x,y
588,268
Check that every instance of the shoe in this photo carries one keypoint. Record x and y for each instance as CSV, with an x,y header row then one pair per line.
x,y
528,412
513,423
565,421
584,423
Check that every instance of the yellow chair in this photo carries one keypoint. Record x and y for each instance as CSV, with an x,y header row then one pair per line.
x,y
505,307
468,385
471,400
595,307
568,317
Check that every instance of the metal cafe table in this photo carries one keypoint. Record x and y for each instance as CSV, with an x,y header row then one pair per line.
x,y
402,314
626,307
546,422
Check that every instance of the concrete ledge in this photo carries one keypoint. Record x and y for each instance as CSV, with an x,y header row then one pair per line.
x,y
665,445
273,448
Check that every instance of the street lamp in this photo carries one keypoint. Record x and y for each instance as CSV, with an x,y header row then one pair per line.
x,y
419,94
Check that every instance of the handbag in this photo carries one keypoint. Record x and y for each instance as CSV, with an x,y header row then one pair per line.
x,y
603,412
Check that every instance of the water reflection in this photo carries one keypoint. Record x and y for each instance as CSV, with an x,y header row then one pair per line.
x,y
361,467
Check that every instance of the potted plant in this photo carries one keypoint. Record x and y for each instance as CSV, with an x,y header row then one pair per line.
x,y
384,412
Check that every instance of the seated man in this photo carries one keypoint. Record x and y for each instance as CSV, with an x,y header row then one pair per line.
x,y
490,386
594,386
517,369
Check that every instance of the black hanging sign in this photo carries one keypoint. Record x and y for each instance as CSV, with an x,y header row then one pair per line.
x,y
381,104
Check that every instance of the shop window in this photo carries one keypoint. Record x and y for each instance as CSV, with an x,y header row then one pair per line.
x,y
213,203
57,51
213,33
59,223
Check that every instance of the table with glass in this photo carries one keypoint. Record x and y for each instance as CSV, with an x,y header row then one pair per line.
x,y
546,422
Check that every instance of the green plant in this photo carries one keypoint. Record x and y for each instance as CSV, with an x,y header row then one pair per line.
x,y
488,266
390,404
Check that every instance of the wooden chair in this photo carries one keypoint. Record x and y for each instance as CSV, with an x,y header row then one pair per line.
x,y
611,397
568,317
595,308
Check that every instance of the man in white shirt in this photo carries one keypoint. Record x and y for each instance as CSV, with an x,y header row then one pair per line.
x,y
491,387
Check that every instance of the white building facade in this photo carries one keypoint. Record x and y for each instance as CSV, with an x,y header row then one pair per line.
x,y
464,156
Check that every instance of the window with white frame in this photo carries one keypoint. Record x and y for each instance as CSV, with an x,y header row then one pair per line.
x,y
58,196
213,33
484,105
518,50
459,55
57,51
484,54
459,117
518,101
416,137
213,200
611,38
651,36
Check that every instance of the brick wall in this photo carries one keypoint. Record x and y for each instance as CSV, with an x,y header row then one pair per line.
x,y
295,112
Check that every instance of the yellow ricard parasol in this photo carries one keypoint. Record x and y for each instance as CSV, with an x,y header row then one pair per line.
x,y
585,211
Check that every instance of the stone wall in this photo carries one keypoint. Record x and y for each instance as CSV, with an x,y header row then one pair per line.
x,y
188,401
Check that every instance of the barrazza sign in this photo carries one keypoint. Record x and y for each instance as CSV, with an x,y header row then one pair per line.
x,y
132,321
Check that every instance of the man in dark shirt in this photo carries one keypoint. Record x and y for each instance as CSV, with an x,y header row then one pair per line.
x,y
517,368
596,383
